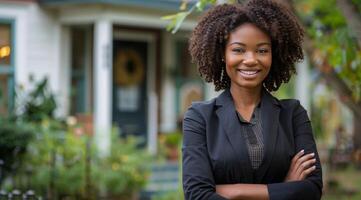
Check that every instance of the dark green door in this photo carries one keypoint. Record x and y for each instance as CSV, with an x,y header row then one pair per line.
x,y
129,87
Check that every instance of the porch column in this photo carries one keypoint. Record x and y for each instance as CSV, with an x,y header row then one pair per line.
x,y
303,83
168,105
103,84
210,92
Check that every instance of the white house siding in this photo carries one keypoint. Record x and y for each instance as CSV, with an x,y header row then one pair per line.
x,y
37,47
44,48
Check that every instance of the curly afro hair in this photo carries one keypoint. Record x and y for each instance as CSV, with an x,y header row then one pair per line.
x,y
208,40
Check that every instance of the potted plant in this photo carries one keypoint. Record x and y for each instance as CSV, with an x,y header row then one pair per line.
x,y
172,142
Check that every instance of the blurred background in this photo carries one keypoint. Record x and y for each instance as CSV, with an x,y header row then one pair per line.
x,y
93,92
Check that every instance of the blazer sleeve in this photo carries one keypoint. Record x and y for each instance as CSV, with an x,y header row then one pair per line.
x,y
198,180
311,187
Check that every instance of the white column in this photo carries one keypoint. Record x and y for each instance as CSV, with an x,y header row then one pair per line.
x,y
152,123
210,92
64,72
303,84
103,84
168,111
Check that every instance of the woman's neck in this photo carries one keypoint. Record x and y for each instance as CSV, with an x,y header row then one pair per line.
x,y
246,97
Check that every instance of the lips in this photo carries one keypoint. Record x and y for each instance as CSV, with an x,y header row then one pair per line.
x,y
248,74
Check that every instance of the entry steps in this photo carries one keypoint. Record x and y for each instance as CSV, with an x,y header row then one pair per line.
x,y
164,178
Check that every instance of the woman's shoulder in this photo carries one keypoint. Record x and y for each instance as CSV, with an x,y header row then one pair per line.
x,y
289,102
202,106
292,105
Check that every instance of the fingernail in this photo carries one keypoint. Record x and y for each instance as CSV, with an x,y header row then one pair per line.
x,y
312,154
314,167
302,151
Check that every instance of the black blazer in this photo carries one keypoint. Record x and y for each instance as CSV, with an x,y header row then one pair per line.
x,y
214,151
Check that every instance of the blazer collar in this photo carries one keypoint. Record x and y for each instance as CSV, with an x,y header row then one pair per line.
x,y
225,98
270,108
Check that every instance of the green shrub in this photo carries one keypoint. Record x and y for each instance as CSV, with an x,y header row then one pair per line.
x,y
14,137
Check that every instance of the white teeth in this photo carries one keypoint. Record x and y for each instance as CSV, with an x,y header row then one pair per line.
x,y
248,72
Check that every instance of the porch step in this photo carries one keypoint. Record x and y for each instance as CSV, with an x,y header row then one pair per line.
x,y
164,178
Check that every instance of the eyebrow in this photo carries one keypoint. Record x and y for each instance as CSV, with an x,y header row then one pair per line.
x,y
259,44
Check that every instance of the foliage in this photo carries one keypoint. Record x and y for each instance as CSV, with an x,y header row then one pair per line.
x,y
58,159
177,19
14,137
343,184
328,29
174,195
125,170
17,129
38,104
357,4
169,145
58,156
172,139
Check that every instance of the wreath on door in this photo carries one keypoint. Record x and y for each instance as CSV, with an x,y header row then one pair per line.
x,y
129,68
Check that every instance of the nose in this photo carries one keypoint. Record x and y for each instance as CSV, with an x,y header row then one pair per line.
x,y
250,59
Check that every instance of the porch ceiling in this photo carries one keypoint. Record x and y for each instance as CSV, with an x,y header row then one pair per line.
x,y
152,4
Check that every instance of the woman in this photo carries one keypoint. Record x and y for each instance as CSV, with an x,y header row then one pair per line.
x,y
246,144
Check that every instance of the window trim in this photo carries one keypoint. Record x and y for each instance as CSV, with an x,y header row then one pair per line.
x,y
10,69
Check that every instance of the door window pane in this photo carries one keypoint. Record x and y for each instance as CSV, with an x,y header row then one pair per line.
x,y
5,44
4,94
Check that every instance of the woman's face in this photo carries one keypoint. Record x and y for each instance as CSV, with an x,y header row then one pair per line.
x,y
248,56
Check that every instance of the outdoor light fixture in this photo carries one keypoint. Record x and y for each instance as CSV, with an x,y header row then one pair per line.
x,y
5,51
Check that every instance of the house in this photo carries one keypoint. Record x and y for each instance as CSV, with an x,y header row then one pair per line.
x,y
110,60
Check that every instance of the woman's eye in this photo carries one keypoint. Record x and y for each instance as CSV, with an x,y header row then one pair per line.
x,y
263,51
238,50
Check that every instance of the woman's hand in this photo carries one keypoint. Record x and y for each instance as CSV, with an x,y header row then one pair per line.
x,y
301,166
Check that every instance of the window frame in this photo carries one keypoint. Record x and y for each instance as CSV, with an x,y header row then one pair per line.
x,y
9,70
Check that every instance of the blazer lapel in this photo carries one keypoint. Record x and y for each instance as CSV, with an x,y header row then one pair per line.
x,y
270,110
228,119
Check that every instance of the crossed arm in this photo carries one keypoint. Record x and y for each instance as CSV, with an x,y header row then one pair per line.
x,y
301,166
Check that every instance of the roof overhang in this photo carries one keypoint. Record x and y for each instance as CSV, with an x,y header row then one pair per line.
x,y
159,4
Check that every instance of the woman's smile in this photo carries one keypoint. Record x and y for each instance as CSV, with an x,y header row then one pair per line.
x,y
248,74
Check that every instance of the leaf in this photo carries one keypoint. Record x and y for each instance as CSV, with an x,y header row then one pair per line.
x,y
183,5
176,20
201,4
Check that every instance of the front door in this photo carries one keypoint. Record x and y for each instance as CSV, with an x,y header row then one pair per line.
x,y
129,87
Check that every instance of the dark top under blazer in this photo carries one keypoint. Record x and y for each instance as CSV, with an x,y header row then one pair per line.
x,y
215,153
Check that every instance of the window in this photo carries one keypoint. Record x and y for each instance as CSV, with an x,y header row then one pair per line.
x,y
6,67
5,45
81,70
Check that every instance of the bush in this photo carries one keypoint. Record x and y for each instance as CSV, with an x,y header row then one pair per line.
x,y
14,137
125,170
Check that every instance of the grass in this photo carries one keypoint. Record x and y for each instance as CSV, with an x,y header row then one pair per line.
x,y
343,184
